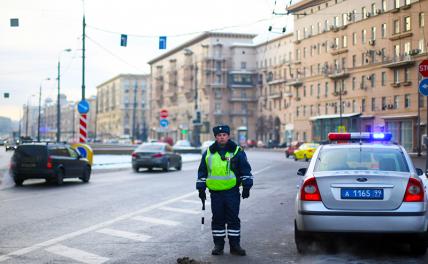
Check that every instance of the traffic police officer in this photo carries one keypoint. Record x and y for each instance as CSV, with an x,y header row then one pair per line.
x,y
223,168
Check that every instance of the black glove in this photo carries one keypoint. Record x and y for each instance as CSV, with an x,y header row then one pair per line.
x,y
202,195
245,193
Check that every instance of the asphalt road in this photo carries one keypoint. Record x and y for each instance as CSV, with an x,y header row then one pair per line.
x,y
154,217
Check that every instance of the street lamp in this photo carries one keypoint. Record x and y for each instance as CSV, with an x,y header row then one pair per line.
x,y
58,105
40,105
197,117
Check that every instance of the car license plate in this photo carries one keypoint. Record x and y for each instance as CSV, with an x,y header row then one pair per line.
x,y
28,165
361,194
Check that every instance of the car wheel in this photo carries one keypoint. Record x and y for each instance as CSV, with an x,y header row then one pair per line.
x,y
59,177
301,240
18,182
135,169
166,167
306,158
149,168
295,158
179,166
287,155
86,175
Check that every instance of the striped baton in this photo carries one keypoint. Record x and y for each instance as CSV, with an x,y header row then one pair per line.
x,y
83,125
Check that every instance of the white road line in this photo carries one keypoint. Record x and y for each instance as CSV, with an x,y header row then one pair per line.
x,y
179,210
124,234
76,254
156,221
265,168
196,202
59,239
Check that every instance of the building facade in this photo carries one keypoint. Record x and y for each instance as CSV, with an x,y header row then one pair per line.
x,y
204,82
121,107
356,67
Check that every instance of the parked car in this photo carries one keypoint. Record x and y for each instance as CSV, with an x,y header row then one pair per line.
x,y
261,144
182,144
10,145
206,145
50,161
305,151
293,146
155,155
251,143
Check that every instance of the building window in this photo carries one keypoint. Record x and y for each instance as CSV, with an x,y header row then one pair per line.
x,y
396,76
396,51
407,101
383,5
396,25
354,61
297,111
312,89
363,13
364,36
336,21
422,45
407,24
372,80
383,30
406,48
396,101
406,74
373,10
344,19
243,65
304,110
326,89
354,82
421,19
383,103
373,104
363,105
344,41
373,37
354,39
406,2
326,109
318,90
354,103
396,3
383,81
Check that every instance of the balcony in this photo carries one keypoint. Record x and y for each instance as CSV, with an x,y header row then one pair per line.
x,y
396,84
295,82
241,113
219,113
338,51
275,95
242,85
338,74
402,35
399,61
278,81
407,83
242,99
215,85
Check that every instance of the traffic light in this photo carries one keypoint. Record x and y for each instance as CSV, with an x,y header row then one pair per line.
x,y
123,40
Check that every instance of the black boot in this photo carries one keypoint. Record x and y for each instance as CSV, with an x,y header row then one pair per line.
x,y
237,250
217,250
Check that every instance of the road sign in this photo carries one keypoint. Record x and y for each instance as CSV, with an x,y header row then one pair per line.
x,y
123,40
423,68
163,123
423,87
162,42
14,22
83,107
163,113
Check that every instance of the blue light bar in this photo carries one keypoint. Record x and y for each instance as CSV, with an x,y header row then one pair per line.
x,y
381,136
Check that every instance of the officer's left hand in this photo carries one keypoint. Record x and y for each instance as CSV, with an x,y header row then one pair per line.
x,y
245,193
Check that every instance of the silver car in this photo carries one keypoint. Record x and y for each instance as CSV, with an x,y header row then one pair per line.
x,y
362,188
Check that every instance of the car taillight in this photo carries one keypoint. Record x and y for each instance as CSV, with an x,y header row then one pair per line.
x,y
12,165
49,164
310,191
414,191
157,155
134,155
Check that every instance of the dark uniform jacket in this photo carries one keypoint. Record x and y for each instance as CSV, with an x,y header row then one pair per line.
x,y
239,165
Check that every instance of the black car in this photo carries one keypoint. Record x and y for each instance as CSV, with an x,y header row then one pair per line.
x,y
155,155
50,161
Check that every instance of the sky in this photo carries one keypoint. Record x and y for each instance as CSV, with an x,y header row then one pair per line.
x,y
29,54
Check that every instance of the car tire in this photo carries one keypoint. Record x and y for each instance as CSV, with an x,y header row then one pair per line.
x,y
301,240
287,155
18,182
306,158
86,175
166,167
59,177
179,166
295,158
150,169
136,169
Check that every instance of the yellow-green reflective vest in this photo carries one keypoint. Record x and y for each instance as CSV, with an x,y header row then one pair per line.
x,y
220,176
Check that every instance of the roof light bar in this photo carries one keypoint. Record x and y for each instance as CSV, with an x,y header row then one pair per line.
x,y
360,136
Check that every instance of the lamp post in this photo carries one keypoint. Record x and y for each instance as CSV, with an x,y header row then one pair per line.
x,y
58,105
197,116
40,105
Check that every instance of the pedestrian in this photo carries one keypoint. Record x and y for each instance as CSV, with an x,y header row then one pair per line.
x,y
223,168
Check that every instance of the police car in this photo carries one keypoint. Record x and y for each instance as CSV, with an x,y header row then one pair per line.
x,y
362,184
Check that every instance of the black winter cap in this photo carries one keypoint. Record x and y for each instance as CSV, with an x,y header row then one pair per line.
x,y
221,129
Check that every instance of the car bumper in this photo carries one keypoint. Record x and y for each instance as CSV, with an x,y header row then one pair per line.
x,y
315,217
32,174
148,163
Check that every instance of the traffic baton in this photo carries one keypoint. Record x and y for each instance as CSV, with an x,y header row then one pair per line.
x,y
203,215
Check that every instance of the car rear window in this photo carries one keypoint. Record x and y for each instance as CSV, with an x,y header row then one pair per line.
x,y
25,151
381,159
150,147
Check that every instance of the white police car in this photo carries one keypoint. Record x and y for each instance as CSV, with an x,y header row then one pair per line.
x,y
365,187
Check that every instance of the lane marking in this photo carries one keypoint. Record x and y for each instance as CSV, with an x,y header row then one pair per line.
x,y
59,239
124,234
76,254
264,169
156,221
179,210
196,202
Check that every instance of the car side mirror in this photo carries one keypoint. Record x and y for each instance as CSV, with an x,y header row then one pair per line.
x,y
301,171
419,171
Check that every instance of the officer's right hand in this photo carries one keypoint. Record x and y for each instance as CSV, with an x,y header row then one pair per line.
x,y
202,195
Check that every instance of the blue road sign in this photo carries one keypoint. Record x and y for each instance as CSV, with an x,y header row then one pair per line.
x,y
162,42
423,87
83,107
163,122
82,152
123,40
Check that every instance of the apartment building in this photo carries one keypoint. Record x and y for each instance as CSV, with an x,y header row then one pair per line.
x,y
355,64
274,120
121,107
204,82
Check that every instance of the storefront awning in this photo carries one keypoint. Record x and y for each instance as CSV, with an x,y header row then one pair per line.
x,y
333,116
402,116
